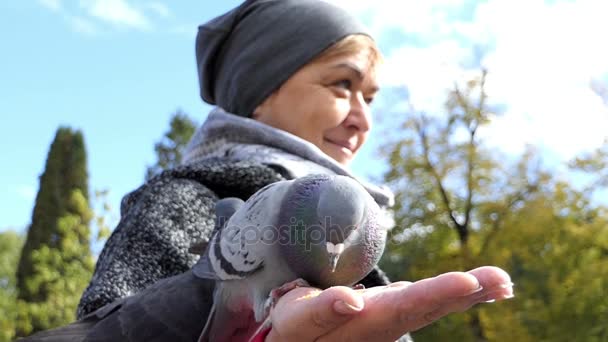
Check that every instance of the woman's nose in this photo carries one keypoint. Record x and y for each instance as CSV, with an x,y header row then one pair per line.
x,y
359,116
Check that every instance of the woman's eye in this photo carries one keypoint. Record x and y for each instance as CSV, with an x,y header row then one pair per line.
x,y
346,84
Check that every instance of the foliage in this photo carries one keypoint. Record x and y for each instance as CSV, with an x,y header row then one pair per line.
x,y
65,171
60,273
56,262
460,205
170,148
595,164
103,216
10,248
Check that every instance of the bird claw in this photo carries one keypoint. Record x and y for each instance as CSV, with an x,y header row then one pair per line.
x,y
273,298
359,287
280,291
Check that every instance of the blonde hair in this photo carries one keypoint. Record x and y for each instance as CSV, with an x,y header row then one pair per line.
x,y
353,44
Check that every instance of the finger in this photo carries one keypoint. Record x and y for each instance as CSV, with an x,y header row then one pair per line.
x,y
495,284
430,299
392,311
319,311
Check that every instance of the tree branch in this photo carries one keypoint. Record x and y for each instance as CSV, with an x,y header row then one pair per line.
x,y
513,199
462,232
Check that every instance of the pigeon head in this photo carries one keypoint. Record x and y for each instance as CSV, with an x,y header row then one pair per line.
x,y
340,213
329,230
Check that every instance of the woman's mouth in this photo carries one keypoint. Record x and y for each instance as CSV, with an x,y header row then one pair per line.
x,y
344,145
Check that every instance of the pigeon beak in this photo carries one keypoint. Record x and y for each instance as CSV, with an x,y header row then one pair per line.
x,y
333,261
334,252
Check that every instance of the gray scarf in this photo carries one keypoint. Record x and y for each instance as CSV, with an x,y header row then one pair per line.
x,y
242,139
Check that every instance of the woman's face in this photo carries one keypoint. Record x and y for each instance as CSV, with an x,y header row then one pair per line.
x,y
326,103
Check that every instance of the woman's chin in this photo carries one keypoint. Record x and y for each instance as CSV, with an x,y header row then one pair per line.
x,y
341,157
338,153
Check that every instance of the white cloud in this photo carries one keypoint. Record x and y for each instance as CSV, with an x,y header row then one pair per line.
x,y
54,5
412,16
541,57
117,12
89,16
541,67
429,73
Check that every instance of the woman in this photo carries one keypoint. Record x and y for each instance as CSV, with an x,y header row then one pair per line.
x,y
293,81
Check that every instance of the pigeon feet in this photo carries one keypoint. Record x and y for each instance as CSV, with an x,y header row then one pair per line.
x,y
280,291
274,297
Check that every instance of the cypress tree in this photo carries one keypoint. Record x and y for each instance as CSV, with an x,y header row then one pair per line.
x,y
56,261
10,248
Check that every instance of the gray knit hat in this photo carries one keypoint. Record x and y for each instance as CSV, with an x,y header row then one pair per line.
x,y
247,53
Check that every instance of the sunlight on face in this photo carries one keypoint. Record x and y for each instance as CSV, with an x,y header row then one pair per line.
x,y
327,104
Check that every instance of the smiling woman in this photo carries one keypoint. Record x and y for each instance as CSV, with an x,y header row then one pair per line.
x,y
293,81
327,101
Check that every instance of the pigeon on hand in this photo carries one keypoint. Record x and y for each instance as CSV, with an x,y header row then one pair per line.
x,y
323,229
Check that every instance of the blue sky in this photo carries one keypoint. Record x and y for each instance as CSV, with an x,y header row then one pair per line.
x,y
117,70
118,80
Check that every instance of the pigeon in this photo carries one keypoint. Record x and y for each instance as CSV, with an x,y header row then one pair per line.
x,y
321,230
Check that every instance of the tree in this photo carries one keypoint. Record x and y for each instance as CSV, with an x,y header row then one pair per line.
x,y
56,262
10,248
460,205
170,148
443,175
595,164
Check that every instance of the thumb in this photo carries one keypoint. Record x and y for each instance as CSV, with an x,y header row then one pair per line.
x,y
305,314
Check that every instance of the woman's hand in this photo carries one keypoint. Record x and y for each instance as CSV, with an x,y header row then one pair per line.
x,y
382,313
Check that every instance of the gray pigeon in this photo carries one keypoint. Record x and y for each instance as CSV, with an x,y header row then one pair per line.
x,y
323,229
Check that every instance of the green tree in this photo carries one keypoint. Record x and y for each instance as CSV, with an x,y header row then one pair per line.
x,y
103,215
595,165
446,184
555,246
460,205
10,248
170,148
56,262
